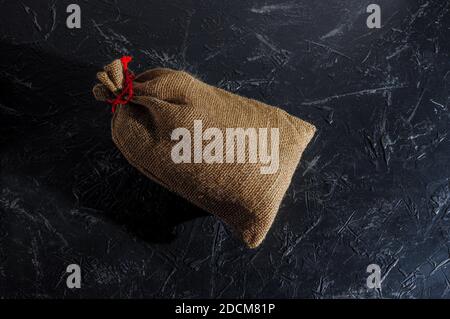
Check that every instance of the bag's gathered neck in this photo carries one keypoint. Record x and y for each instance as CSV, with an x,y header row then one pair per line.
x,y
126,93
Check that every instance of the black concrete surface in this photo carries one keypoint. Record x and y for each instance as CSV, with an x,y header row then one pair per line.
x,y
373,187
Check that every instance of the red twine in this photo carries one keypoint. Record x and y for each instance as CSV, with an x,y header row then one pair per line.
x,y
127,91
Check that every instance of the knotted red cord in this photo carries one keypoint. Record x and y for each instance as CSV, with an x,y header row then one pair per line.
x,y
127,91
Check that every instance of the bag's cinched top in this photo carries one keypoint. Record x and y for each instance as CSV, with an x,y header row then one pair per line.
x,y
118,79
210,146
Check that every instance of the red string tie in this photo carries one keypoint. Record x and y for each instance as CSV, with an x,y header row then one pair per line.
x,y
127,91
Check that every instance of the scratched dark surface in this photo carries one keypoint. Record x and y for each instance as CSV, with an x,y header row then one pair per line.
x,y
373,187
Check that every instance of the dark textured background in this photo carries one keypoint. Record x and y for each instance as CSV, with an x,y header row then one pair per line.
x,y
374,186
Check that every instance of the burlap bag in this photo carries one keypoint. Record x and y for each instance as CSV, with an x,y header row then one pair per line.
x,y
165,99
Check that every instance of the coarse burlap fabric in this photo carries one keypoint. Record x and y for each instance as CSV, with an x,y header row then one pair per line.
x,y
166,99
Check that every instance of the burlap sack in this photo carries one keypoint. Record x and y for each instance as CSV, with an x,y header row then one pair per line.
x,y
164,100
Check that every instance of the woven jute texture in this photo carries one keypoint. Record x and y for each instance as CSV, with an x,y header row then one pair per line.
x,y
166,99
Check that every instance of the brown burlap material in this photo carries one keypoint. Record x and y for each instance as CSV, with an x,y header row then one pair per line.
x,y
166,99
